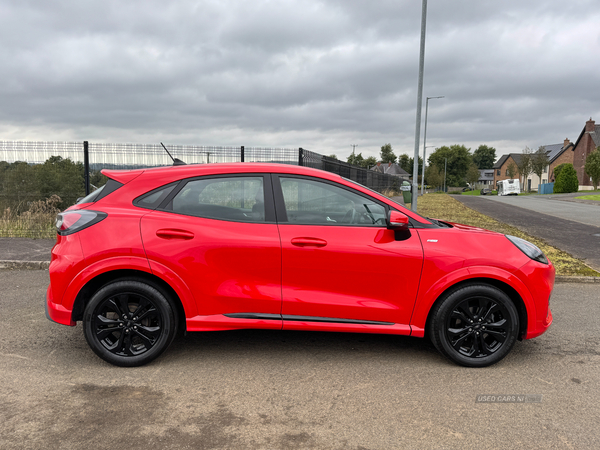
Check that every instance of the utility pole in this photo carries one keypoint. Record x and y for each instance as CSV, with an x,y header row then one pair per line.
x,y
415,189
353,148
425,142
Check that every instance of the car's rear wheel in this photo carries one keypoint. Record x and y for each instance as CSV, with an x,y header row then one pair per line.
x,y
475,326
129,323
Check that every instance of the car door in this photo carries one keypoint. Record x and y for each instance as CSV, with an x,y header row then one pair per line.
x,y
340,263
219,235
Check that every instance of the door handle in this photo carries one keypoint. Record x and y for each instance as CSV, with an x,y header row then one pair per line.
x,y
308,242
169,233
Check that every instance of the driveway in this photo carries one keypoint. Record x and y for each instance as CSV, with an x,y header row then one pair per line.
x,y
569,226
293,390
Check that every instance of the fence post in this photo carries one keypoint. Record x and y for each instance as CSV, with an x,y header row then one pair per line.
x,y
242,154
300,156
86,167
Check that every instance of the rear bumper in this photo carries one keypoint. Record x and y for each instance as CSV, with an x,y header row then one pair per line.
x,y
57,313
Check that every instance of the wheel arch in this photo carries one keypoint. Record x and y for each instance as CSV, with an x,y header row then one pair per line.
x,y
510,291
93,285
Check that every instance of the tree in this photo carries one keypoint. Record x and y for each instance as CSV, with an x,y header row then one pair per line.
x,y
333,155
512,170
459,160
539,161
405,162
369,162
524,164
62,177
472,175
387,154
592,167
566,181
434,177
484,157
557,170
355,159
19,186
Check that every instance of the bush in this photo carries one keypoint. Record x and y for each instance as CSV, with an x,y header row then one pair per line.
x,y
566,181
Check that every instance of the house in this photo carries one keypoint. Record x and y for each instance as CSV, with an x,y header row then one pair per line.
x,y
391,169
501,167
557,154
486,178
587,142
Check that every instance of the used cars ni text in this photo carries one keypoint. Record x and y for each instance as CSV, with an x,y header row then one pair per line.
x,y
281,247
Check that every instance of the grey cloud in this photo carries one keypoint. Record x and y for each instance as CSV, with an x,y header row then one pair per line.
x,y
326,72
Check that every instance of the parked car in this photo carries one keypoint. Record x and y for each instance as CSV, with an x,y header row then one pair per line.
x,y
485,191
272,246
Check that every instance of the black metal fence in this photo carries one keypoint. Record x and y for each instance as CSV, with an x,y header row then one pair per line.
x,y
38,179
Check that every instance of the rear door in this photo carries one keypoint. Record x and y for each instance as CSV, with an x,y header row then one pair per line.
x,y
219,235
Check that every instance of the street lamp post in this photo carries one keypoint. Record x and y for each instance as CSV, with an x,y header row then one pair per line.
x,y
415,190
425,142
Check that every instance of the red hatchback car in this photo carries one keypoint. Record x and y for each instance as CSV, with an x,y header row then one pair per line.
x,y
273,246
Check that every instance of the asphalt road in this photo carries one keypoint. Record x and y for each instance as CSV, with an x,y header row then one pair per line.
x,y
572,227
259,389
558,205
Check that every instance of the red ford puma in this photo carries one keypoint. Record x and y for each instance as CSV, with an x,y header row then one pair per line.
x,y
250,245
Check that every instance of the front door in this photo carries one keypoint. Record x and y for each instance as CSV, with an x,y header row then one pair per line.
x,y
339,261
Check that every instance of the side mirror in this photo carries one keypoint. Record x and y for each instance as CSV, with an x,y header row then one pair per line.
x,y
397,221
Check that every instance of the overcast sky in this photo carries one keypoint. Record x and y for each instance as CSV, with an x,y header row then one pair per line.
x,y
322,75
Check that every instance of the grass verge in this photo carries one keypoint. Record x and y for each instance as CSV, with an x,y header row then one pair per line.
x,y
444,207
589,197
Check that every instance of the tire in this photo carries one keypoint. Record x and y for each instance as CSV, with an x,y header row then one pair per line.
x,y
129,323
475,326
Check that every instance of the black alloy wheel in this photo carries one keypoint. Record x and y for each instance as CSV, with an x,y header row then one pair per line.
x,y
475,326
129,323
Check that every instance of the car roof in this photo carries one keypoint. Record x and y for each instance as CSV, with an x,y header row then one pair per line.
x,y
191,170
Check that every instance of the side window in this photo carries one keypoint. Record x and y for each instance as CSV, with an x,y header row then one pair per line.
x,y
153,199
239,199
311,202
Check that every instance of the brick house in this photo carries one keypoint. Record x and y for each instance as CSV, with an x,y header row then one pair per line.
x,y
557,154
565,155
587,142
501,167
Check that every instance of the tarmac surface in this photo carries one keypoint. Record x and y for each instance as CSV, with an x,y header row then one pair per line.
x,y
261,389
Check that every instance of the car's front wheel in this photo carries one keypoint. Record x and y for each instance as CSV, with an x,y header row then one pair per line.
x,y
129,323
475,326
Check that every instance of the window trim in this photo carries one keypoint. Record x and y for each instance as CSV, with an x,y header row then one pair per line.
x,y
267,192
281,211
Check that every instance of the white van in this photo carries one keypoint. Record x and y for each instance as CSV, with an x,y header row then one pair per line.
x,y
509,187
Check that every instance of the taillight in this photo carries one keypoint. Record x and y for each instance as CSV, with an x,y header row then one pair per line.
x,y
70,222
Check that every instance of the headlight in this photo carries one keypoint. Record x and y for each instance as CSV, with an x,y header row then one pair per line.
x,y
528,248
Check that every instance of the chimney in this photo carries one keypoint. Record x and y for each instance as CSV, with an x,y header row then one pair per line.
x,y
567,142
590,125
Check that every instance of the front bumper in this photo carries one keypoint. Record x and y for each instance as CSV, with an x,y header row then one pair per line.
x,y
539,279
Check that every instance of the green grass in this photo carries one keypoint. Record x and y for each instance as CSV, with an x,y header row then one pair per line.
x,y
589,197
